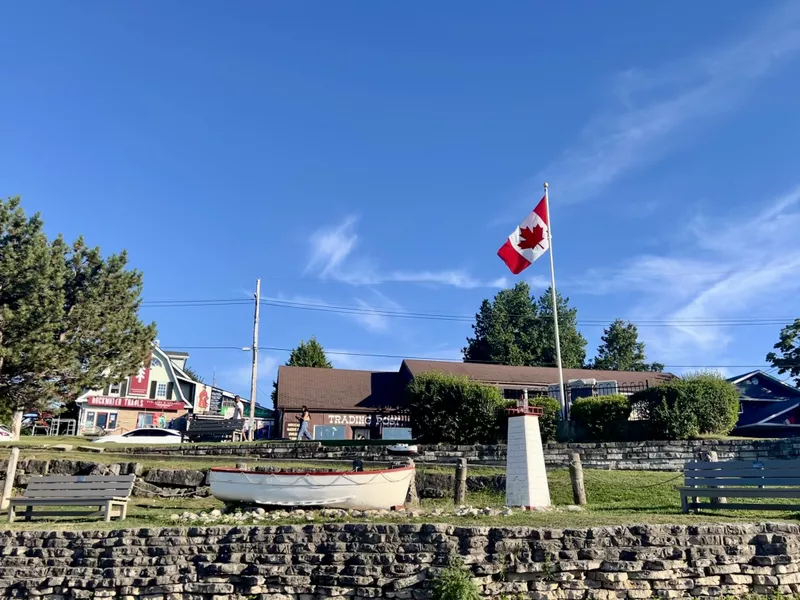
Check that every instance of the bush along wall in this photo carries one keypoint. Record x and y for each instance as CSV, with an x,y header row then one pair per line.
x,y
602,418
699,403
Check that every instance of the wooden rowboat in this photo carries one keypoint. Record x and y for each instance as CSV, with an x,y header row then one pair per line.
x,y
362,490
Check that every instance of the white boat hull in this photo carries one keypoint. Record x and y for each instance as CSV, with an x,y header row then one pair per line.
x,y
362,490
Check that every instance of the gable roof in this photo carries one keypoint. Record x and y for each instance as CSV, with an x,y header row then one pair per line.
x,y
532,376
768,387
338,389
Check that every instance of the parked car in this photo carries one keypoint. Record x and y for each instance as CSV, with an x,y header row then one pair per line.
x,y
142,436
5,434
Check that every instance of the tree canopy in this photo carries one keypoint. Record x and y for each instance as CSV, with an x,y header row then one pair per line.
x,y
193,374
306,354
787,359
516,328
68,318
621,350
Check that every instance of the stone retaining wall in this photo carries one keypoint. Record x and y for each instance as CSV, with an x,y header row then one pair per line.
x,y
399,561
647,456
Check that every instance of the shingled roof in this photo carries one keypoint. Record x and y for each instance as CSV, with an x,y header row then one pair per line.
x,y
371,391
338,389
532,376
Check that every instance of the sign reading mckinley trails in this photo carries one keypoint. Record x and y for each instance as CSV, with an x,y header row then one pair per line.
x,y
143,403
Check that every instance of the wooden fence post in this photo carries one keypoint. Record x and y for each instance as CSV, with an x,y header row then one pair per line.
x,y
460,492
11,473
412,500
576,476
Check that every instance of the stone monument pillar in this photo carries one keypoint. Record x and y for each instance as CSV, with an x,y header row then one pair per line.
x,y
526,477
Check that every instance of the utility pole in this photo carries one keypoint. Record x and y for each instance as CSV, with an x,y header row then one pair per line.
x,y
254,374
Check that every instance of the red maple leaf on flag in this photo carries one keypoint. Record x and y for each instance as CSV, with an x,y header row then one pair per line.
x,y
530,238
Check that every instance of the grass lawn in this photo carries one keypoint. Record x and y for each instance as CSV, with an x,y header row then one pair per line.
x,y
615,498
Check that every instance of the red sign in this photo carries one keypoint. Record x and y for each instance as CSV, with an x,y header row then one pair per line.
x,y
139,382
143,403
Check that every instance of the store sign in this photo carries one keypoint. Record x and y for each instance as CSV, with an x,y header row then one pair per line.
x,y
142,403
368,420
139,382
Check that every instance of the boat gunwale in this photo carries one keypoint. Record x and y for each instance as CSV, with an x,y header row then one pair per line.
x,y
306,473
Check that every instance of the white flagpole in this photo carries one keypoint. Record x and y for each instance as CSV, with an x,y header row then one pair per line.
x,y
562,400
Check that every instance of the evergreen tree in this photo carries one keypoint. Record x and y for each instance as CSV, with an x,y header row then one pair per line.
x,y
573,344
788,361
193,374
68,318
621,350
517,329
307,354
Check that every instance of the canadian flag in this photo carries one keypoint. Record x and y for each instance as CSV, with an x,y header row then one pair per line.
x,y
528,241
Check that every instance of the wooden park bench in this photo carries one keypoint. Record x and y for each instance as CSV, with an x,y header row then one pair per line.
x,y
109,493
200,429
741,479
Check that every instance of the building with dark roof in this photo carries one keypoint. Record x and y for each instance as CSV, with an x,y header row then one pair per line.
x,y
768,406
347,404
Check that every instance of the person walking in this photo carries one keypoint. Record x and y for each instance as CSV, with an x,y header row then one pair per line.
x,y
238,413
305,421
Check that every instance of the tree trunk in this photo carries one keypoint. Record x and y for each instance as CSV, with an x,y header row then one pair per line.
x,y
16,425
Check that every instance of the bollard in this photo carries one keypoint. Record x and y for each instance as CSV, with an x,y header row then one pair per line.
x,y
460,491
11,473
576,476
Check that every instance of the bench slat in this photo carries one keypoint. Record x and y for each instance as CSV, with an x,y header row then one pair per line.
x,y
76,494
81,478
743,506
740,492
22,501
746,473
740,481
743,464
88,485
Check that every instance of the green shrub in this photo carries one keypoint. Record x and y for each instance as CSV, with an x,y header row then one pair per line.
x,y
548,422
455,583
602,417
454,409
684,408
714,400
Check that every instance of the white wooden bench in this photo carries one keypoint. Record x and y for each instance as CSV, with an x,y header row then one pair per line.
x,y
741,479
108,493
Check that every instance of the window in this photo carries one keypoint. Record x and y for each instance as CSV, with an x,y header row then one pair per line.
x,y
155,362
144,420
329,432
161,390
89,419
397,433
114,389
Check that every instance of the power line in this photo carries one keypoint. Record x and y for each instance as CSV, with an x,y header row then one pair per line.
x,y
390,313
444,359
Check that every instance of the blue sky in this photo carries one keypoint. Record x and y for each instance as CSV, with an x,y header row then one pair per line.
x,y
377,154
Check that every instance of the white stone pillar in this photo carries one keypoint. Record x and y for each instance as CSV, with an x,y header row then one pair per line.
x,y
526,477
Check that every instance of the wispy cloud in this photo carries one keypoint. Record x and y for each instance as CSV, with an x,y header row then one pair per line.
x,y
729,269
370,312
658,109
332,256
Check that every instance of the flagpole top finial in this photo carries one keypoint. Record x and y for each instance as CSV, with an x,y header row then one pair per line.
x,y
546,185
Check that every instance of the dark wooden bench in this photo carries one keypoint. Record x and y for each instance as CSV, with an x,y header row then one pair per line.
x,y
109,493
200,429
741,479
